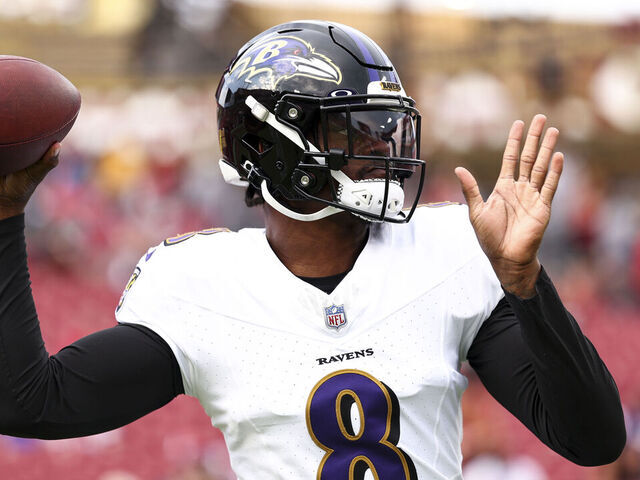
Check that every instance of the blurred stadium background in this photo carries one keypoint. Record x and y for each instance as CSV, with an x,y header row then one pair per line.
x,y
141,165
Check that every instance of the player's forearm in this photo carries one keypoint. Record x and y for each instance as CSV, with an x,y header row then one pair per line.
x,y
542,369
578,398
22,352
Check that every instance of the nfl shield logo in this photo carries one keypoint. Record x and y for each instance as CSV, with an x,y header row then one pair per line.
x,y
334,316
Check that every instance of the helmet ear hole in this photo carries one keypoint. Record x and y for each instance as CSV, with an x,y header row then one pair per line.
x,y
252,141
255,143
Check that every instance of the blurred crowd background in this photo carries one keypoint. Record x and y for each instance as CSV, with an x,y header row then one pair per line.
x,y
140,165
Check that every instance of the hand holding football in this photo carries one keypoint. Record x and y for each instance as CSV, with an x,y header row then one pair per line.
x,y
38,107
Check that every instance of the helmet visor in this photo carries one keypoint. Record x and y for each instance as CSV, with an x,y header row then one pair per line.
x,y
372,133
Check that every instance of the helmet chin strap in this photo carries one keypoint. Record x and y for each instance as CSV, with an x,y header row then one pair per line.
x,y
365,195
303,217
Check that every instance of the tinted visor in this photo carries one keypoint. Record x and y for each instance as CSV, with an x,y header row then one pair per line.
x,y
378,133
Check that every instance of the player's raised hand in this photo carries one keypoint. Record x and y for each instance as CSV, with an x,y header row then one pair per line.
x,y
511,223
16,188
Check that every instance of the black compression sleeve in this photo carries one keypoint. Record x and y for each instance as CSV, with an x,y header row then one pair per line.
x,y
533,358
99,383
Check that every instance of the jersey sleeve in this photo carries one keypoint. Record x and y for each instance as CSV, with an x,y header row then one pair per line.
x,y
483,289
152,298
480,289
448,257
448,244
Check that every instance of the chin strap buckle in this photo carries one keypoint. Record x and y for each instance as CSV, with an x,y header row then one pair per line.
x,y
253,175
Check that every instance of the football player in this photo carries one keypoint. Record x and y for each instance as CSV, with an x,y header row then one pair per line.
x,y
329,343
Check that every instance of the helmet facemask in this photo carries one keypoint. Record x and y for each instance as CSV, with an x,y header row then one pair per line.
x,y
356,158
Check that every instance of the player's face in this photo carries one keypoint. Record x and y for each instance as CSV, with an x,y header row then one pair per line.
x,y
368,138
383,133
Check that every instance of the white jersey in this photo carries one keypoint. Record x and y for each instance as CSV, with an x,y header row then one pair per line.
x,y
305,384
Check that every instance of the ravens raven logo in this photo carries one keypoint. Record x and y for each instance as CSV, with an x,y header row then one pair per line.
x,y
270,61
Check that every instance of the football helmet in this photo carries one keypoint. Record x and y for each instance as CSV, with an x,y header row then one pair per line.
x,y
313,110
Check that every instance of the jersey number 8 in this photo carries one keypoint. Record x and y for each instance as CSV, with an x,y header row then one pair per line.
x,y
350,452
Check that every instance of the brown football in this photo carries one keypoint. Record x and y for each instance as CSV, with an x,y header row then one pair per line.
x,y
38,107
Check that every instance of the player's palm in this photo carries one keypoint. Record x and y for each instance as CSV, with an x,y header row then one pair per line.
x,y
511,223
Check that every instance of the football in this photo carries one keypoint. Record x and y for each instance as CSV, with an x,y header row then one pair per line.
x,y
38,107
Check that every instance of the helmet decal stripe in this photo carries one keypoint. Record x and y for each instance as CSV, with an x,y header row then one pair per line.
x,y
373,74
372,55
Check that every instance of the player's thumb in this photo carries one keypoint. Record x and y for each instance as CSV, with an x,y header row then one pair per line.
x,y
470,188
48,162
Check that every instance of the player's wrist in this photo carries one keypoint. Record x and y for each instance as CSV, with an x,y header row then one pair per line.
x,y
8,212
13,203
518,279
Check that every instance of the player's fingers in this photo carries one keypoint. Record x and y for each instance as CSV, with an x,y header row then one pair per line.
x,y
470,189
48,162
553,177
539,171
512,150
530,149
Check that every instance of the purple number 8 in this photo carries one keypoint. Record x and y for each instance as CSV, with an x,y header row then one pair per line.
x,y
351,451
